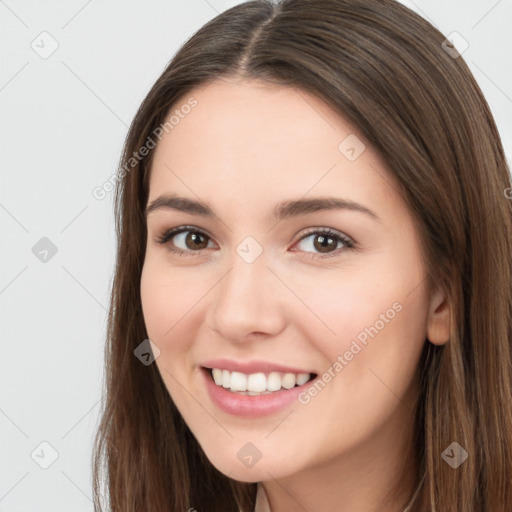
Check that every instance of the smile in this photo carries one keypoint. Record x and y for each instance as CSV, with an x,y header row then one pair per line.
x,y
256,384
255,393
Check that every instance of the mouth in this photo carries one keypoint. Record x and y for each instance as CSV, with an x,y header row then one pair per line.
x,y
254,388
260,383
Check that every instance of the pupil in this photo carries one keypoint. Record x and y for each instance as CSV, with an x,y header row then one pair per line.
x,y
196,239
324,243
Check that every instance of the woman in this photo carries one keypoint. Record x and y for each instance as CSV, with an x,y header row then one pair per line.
x,y
314,233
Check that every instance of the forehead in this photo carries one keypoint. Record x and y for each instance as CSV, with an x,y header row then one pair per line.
x,y
233,115
263,141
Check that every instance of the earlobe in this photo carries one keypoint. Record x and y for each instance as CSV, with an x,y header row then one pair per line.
x,y
438,322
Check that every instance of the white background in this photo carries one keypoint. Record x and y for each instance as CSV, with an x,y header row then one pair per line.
x,y
63,120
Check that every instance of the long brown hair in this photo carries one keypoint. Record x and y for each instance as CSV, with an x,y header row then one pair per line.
x,y
386,70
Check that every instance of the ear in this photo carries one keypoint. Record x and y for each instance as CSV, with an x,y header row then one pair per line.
x,y
438,322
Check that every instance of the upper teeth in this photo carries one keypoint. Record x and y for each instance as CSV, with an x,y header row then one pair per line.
x,y
258,382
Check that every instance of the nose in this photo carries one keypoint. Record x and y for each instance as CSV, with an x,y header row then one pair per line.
x,y
248,303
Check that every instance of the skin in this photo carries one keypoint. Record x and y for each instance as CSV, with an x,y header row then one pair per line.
x,y
245,147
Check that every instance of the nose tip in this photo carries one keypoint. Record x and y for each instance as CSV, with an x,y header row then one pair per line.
x,y
247,300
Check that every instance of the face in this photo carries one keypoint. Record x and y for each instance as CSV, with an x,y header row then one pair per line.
x,y
259,293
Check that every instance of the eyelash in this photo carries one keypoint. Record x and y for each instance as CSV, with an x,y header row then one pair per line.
x,y
339,237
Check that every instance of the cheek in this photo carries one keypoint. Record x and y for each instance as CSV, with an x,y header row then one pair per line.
x,y
382,347
156,303
169,300
370,323
369,374
169,303
352,304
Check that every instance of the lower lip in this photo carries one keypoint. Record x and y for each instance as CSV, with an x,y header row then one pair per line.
x,y
247,405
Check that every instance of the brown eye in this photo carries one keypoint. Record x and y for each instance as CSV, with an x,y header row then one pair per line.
x,y
184,240
196,240
325,241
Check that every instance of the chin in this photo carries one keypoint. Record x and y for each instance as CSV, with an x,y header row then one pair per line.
x,y
262,469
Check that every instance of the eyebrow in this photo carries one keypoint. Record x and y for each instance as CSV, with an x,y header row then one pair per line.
x,y
283,210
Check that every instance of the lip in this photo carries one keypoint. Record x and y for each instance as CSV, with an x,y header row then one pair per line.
x,y
249,367
248,406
